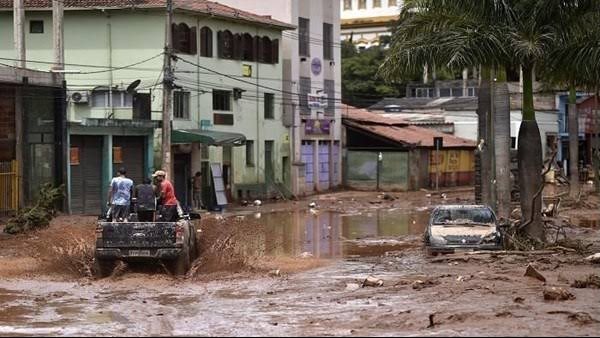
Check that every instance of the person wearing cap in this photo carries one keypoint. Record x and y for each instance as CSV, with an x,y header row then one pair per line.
x,y
119,196
168,211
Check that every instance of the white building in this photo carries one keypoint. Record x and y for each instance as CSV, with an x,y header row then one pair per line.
x,y
311,60
365,21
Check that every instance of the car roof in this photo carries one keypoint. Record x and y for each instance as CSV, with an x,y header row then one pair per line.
x,y
461,206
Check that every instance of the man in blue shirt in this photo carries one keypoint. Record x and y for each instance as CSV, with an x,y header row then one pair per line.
x,y
119,196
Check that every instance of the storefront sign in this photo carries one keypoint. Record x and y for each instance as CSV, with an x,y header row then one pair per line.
x,y
317,127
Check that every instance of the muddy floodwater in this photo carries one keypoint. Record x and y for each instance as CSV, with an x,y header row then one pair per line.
x,y
487,296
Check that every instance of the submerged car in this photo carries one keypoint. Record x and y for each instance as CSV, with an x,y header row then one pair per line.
x,y
454,228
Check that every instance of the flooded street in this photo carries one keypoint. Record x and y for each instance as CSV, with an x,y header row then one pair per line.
x,y
321,259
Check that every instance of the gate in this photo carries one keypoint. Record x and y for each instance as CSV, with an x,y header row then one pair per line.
x,y
9,187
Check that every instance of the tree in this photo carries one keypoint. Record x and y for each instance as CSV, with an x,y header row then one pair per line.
x,y
574,62
493,34
361,86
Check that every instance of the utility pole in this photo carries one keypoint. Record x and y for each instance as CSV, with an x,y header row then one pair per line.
x,y
19,19
167,94
58,34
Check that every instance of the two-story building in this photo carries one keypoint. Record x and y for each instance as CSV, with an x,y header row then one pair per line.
x,y
226,104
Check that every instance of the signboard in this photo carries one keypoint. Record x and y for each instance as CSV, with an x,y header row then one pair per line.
x,y
315,66
317,127
74,156
247,70
217,175
316,101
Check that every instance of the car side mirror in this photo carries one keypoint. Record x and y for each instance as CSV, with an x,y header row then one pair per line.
x,y
194,215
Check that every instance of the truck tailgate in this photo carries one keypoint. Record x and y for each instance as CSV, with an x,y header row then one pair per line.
x,y
138,235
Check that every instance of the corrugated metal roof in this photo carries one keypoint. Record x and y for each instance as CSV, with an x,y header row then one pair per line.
x,y
198,6
425,103
399,130
363,115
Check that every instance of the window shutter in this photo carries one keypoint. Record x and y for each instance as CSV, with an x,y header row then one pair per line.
x,y
275,51
256,49
237,46
220,44
174,38
260,49
209,42
193,41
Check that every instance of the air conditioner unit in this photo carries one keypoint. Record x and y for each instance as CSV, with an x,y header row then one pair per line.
x,y
79,97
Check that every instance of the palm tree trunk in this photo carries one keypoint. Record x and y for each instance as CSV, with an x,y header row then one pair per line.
x,y
530,161
502,147
485,155
573,144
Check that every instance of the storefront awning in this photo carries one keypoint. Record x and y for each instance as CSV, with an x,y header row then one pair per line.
x,y
208,137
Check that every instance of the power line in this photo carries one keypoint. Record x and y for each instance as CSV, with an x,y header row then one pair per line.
x,y
105,68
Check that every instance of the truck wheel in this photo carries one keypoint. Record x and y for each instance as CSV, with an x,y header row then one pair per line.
x,y
181,264
103,268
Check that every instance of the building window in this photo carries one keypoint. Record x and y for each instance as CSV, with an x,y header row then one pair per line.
x,y
181,105
184,39
248,48
223,119
269,106
362,4
330,92
304,36
347,5
206,42
327,41
225,41
249,153
222,100
36,27
304,91
392,3
376,3
267,50
120,99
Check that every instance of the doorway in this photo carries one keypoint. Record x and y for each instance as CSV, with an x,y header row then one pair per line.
x,y
183,175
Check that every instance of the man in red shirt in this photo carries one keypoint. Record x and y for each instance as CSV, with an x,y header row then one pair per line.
x,y
168,211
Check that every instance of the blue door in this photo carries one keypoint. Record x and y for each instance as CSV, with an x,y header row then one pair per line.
x,y
324,165
308,160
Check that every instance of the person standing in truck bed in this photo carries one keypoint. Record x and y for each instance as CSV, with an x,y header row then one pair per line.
x,y
168,211
146,201
119,196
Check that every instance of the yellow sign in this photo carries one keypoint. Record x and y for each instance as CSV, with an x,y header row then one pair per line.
x,y
247,70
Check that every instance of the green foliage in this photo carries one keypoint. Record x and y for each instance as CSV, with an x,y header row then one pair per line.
x,y
361,87
40,214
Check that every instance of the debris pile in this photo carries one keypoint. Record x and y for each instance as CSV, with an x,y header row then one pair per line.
x,y
40,214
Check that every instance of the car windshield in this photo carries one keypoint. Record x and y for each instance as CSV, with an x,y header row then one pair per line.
x,y
474,216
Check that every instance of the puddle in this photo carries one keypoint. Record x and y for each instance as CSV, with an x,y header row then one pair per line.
x,y
334,235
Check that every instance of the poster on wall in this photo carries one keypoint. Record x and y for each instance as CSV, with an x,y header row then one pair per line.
x,y
317,127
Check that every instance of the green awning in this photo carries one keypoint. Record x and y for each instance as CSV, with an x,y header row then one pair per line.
x,y
208,137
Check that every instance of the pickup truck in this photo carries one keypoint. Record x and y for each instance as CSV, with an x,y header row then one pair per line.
x,y
173,243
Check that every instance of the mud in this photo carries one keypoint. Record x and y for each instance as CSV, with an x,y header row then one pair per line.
x,y
323,257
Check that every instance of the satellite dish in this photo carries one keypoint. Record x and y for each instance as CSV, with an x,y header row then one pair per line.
x,y
131,88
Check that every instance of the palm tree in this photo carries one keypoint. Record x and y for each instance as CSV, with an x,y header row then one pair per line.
x,y
494,34
575,63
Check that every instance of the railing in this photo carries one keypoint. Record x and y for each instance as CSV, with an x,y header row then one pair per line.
x,y
9,187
